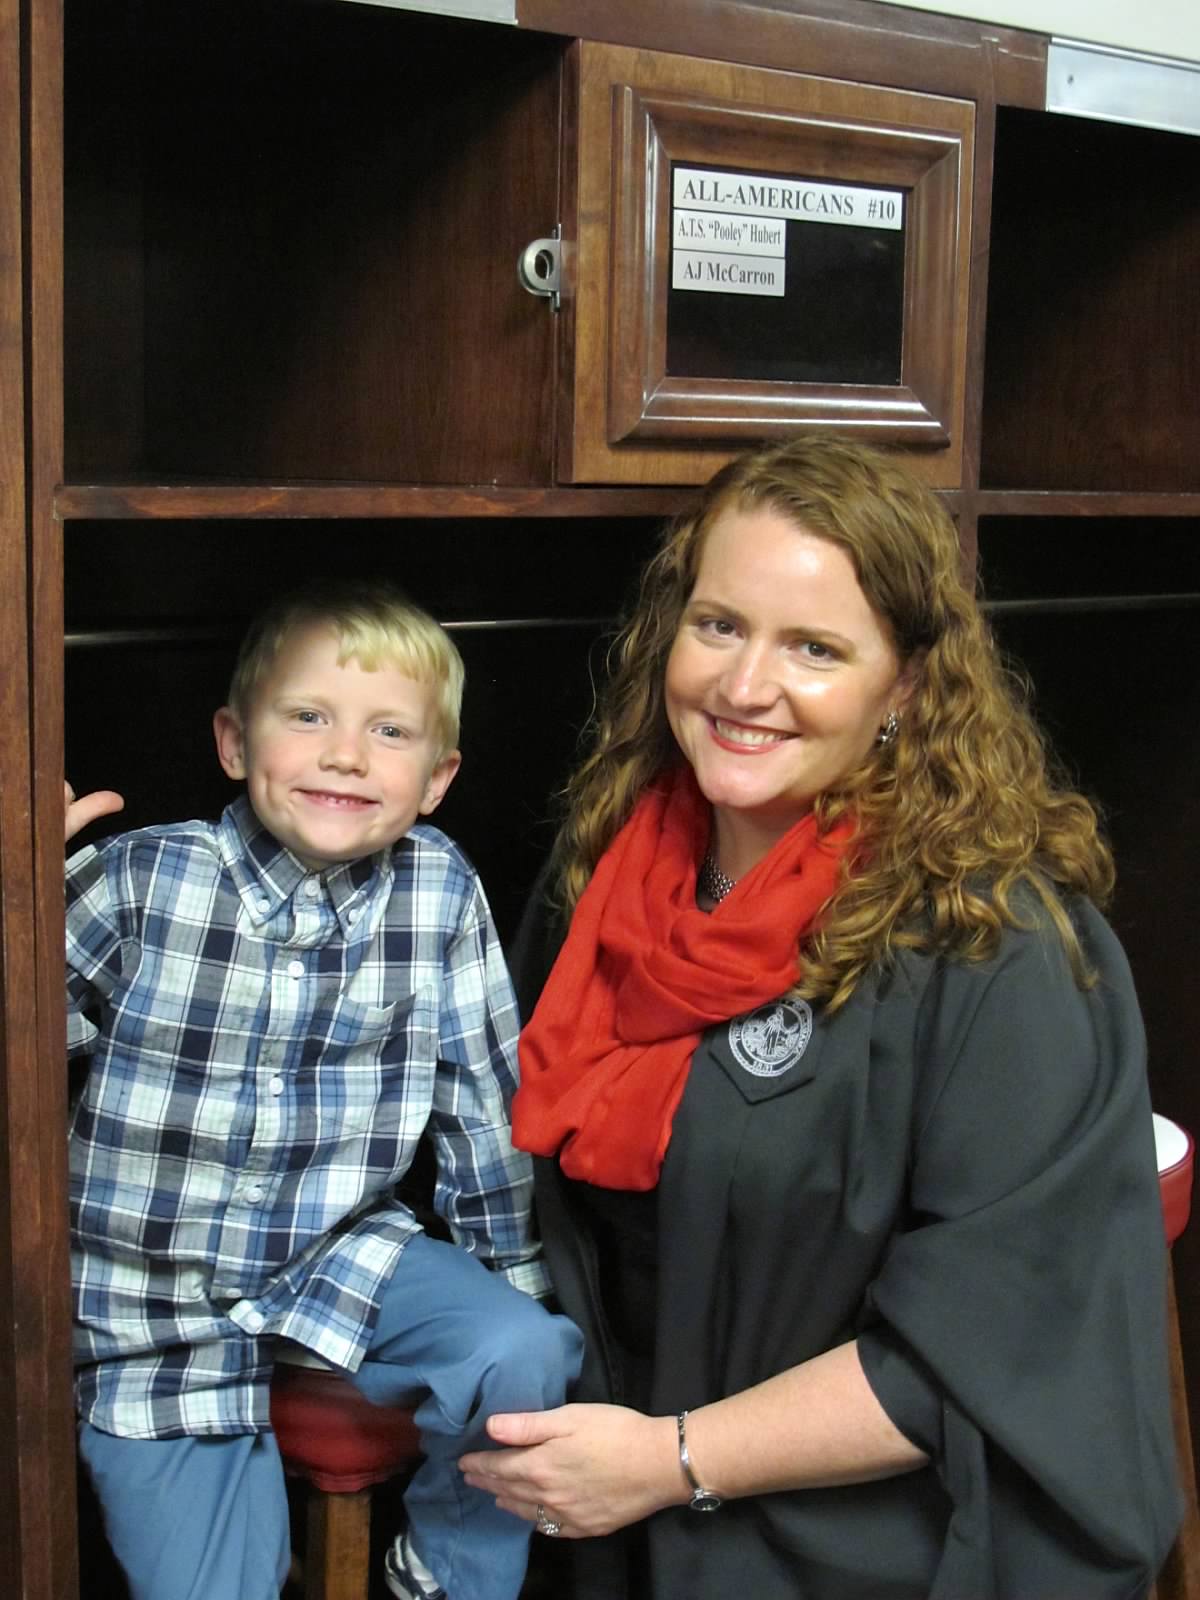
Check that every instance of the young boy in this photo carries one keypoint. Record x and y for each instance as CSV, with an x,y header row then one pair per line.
x,y
277,1007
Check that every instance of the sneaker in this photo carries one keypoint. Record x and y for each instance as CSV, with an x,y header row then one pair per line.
x,y
407,1576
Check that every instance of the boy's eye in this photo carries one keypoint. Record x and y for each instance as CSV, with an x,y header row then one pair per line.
x,y
308,717
389,730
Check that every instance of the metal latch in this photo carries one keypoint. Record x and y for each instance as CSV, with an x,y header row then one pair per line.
x,y
539,269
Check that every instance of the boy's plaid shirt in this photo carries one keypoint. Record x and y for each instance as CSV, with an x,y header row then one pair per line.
x,y
267,1047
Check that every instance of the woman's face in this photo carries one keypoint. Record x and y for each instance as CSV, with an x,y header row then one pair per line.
x,y
779,678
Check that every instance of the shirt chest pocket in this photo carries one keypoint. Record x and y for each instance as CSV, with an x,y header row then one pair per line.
x,y
371,1068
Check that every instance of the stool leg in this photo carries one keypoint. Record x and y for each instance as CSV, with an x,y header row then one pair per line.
x,y
337,1565
1180,1576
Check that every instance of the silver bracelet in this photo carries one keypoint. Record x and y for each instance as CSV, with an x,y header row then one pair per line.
x,y
702,1499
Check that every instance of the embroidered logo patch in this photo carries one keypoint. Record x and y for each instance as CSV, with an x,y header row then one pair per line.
x,y
771,1039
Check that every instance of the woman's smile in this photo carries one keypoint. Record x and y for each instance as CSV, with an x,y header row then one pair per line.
x,y
745,738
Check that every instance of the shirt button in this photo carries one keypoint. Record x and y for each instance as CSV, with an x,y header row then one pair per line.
x,y
312,888
295,969
276,1085
353,916
254,1322
264,905
253,1195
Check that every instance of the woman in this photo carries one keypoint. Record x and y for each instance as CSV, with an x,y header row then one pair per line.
x,y
838,1085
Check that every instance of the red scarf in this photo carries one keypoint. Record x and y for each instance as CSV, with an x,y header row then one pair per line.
x,y
644,972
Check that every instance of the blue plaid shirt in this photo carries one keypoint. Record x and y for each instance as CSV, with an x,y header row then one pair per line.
x,y
268,1045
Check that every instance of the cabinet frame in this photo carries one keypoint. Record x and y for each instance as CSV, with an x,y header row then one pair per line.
x,y
647,402
638,112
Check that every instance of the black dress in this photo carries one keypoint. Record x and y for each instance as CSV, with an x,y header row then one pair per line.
x,y
958,1170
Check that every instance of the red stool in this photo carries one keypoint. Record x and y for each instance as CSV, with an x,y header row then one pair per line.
x,y
1175,1150
342,1445
1180,1576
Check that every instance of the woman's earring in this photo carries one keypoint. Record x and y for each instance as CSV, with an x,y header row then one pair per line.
x,y
889,730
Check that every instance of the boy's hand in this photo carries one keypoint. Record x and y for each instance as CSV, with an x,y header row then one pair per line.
x,y
80,812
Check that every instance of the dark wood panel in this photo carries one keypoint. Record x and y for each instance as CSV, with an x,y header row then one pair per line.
x,y
17,1014
191,500
216,575
652,393
104,264
1113,557
337,212
49,1357
37,1477
1117,693
1180,1575
1093,317
1065,503
332,201
853,39
634,420
981,228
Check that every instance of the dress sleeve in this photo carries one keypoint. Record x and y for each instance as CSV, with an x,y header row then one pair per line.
x,y
1020,1314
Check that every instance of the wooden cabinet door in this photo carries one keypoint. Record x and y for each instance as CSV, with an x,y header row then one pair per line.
x,y
748,252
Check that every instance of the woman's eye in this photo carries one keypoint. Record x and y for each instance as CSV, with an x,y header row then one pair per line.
x,y
721,627
813,650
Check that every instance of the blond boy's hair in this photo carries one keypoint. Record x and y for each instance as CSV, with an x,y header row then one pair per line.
x,y
375,625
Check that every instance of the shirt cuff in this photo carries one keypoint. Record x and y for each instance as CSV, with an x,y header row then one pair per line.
x,y
530,1277
81,1034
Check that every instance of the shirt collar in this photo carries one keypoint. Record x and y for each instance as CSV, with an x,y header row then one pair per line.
x,y
267,874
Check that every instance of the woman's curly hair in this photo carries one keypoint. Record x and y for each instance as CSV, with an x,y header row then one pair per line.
x,y
952,816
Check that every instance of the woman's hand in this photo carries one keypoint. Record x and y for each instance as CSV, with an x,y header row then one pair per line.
x,y
100,803
593,1468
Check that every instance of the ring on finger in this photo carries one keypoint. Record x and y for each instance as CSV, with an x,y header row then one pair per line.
x,y
550,1526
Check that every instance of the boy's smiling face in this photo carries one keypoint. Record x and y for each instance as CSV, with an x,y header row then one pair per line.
x,y
338,762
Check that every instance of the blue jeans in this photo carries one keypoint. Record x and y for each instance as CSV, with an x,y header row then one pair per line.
x,y
206,1518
